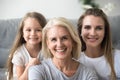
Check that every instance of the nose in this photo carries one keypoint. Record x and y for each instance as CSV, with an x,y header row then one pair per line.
x,y
92,32
32,32
59,43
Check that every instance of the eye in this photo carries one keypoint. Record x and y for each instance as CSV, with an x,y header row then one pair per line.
x,y
99,28
87,27
38,30
28,30
64,38
53,39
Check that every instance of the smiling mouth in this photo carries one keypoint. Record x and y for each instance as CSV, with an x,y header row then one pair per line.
x,y
92,39
33,38
60,50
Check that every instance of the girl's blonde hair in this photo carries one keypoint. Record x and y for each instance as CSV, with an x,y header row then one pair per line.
x,y
106,44
62,22
19,40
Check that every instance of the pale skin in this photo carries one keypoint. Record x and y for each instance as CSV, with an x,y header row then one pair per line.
x,y
60,45
33,36
93,31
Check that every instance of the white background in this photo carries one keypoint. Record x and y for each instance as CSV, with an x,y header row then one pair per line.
x,y
71,9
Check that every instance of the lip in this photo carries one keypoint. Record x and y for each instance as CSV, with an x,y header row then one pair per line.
x,y
60,50
92,39
33,38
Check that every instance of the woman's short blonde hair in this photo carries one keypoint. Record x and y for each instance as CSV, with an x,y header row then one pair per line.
x,y
62,22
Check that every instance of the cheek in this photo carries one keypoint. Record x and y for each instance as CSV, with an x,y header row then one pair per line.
x,y
102,35
70,44
49,45
40,34
25,33
84,33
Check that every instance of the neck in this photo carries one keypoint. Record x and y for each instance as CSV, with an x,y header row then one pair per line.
x,y
62,63
94,52
68,67
33,50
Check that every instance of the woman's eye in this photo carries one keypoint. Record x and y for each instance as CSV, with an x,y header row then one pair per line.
x,y
64,38
87,27
53,40
99,28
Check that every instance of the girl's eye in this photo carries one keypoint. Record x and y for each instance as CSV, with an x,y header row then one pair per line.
x,y
39,30
28,30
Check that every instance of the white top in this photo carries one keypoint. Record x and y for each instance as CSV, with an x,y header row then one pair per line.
x,y
101,66
21,57
48,71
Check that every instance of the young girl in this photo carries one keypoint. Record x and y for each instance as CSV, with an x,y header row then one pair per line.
x,y
98,54
27,46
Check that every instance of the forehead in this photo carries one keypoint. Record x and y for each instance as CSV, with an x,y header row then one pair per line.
x,y
32,22
95,20
57,31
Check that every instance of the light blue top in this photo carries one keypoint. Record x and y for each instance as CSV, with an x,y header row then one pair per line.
x,y
48,71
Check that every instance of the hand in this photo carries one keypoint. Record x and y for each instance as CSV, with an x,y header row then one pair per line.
x,y
33,61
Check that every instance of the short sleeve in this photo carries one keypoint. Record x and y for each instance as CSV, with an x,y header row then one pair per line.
x,y
18,59
36,73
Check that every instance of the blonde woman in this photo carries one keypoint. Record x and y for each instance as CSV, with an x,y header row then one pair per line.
x,y
61,46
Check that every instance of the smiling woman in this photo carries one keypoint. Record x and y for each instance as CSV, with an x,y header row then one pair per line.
x,y
97,49
61,46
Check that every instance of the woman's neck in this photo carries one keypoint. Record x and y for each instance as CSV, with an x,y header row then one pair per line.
x,y
68,67
94,52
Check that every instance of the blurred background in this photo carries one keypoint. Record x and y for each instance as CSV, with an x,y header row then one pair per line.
x,y
71,9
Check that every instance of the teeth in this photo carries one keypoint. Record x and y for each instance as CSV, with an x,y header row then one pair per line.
x,y
33,38
60,50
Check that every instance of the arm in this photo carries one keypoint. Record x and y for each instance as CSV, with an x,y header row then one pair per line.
x,y
22,72
36,73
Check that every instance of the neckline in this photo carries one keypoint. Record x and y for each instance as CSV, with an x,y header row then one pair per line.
x,y
56,69
93,59
38,56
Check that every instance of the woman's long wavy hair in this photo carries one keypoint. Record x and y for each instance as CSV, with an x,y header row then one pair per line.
x,y
19,40
106,44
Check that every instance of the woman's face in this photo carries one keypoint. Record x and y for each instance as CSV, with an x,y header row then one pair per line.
x,y
59,42
93,30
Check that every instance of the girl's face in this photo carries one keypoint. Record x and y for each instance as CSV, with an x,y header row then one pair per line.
x,y
32,31
59,42
93,30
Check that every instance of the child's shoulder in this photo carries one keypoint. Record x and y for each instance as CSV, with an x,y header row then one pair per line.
x,y
20,49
